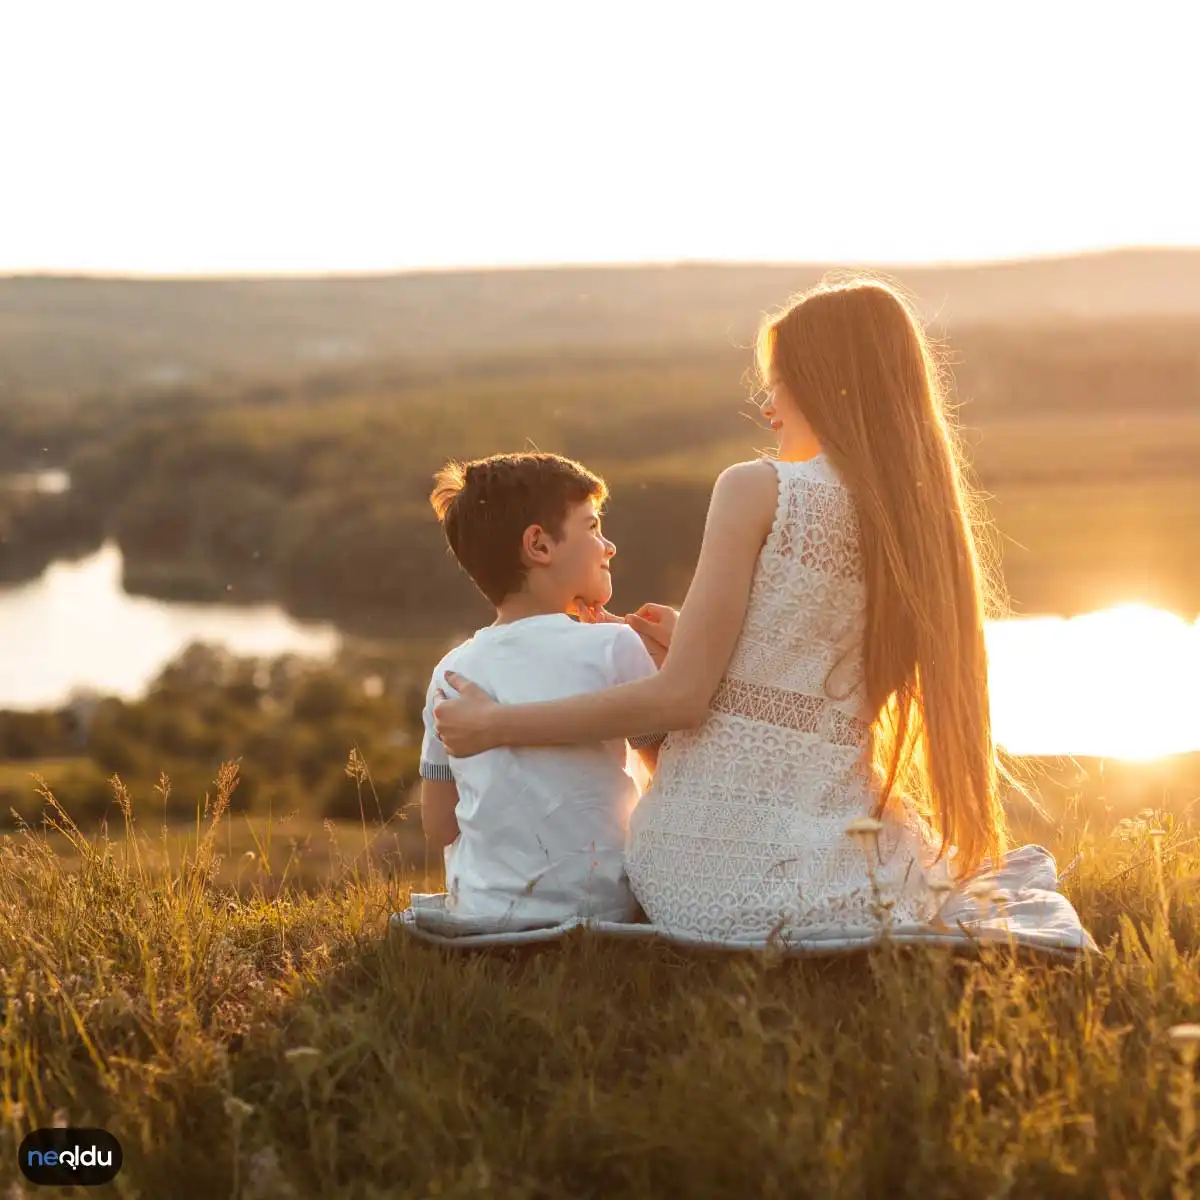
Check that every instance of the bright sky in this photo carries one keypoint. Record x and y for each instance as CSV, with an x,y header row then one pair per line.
x,y
211,137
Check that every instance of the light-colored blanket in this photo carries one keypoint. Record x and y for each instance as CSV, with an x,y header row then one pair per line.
x,y
1017,905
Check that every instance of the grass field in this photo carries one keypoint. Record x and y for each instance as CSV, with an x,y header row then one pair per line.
x,y
268,852
274,1043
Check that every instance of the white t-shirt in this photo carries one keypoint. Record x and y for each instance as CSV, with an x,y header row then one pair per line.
x,y
541,828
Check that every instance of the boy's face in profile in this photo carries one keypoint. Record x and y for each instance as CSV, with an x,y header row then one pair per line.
x,y
577,564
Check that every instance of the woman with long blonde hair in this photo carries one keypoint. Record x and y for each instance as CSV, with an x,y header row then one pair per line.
x,y
826,680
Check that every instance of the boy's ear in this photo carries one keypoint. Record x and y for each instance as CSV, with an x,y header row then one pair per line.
x,y
536,546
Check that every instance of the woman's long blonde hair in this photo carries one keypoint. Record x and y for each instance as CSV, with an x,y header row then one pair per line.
x,y
857,363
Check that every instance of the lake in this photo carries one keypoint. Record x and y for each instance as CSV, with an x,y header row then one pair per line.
x,y
52,482
1122,683
74,627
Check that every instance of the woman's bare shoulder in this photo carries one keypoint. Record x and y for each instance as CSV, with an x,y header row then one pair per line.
x,y
747,478
749,490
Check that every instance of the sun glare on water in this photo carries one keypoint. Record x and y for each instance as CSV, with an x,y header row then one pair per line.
x,y
1122,683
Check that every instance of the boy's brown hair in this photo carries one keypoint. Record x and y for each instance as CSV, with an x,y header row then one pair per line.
x,y
487,504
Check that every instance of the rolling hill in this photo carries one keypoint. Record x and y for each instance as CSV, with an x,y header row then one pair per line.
x,y
63,335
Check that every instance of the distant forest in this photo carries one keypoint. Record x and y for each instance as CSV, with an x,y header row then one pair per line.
x,y
248,439
313,490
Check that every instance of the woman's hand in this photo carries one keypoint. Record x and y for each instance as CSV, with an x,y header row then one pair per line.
x,y
655,625
655,621
464,724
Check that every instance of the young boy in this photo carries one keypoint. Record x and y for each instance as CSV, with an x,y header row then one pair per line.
x,y
533,835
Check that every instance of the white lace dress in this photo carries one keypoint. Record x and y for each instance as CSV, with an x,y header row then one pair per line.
x,y
743,830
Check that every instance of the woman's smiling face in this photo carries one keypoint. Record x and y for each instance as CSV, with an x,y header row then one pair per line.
x,y
797,442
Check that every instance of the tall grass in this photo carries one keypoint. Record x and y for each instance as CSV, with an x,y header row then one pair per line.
x,y
276,1043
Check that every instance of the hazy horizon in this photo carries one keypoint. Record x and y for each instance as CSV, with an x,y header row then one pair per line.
x,y
300,273
369,138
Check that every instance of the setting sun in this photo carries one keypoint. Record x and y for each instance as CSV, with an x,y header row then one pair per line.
x,y
1122,683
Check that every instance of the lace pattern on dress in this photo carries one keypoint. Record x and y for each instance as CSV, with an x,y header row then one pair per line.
x,y
817,524
788,710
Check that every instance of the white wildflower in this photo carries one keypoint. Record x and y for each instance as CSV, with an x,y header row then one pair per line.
x,y
236,1109
303,1059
